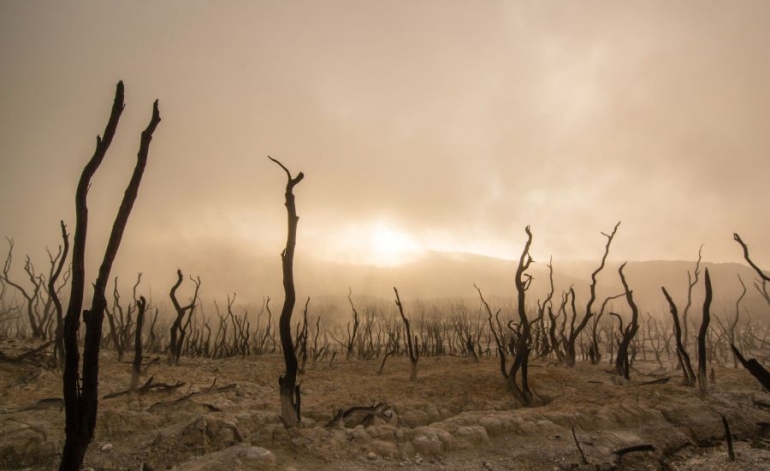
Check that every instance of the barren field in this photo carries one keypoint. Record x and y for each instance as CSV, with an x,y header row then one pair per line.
x,y
458,415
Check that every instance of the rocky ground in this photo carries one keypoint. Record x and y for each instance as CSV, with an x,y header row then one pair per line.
x,y
456,416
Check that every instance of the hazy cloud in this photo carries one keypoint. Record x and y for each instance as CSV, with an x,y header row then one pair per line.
x,y
454,123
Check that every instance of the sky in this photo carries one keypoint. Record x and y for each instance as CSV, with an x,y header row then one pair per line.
x,y
420,126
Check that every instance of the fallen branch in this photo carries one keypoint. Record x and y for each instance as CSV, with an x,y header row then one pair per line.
x,y
147,387
753,366
42,404
633,449
582,455
26,355
359,415
656,381
210,390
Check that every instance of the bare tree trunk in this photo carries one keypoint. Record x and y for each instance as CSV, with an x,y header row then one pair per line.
x,y
521,357
414,354
681,349
575,332
702,377
356,323
178,328
755,368
746,256
692,280
289,390
141,305
59,334
622,366
81,398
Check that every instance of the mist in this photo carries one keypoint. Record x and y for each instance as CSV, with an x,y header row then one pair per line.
x,y
438,127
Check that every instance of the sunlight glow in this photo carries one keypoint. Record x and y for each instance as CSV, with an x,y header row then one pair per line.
x,y
388,246
377,243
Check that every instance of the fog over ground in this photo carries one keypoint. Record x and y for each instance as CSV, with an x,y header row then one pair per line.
x,y
420,126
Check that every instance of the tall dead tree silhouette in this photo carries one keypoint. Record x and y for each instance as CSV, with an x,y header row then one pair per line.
x,y
622,365
746,256
575,331
179,326
692,281
30,297
54,296
704,326
756,369
524,332
681,348
289,389
81,393
414,354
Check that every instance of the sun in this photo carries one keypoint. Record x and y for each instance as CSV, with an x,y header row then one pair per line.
x,y
374,242
389,246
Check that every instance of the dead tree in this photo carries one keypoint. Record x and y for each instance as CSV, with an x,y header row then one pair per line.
x,y
520,363
734,324
120,323
81,394
681,348
704,326
692,280
141,308
497,333
31,297
546,346
53,294
289,389
575,331
594,355
762,289
746,256
179,326
414,354
755,368
302,335
622,366
356,322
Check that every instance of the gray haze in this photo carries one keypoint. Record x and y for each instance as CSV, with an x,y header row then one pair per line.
x,y
420,126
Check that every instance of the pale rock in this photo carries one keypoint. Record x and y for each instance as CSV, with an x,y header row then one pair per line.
x,y
359,434
493,425
384,448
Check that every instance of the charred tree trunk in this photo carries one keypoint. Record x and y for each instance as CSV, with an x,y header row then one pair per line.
x,y
702,377
31,297
521,357
356,323
289,390
755,368
746,256
681,349
575,332
414,354
59,334
692,280
81,397
141,308
178,327
622,366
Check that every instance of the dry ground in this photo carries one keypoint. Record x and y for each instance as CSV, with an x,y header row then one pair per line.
x,y
456,416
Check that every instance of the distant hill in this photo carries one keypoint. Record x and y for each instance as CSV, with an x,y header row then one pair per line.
x,y
452,275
